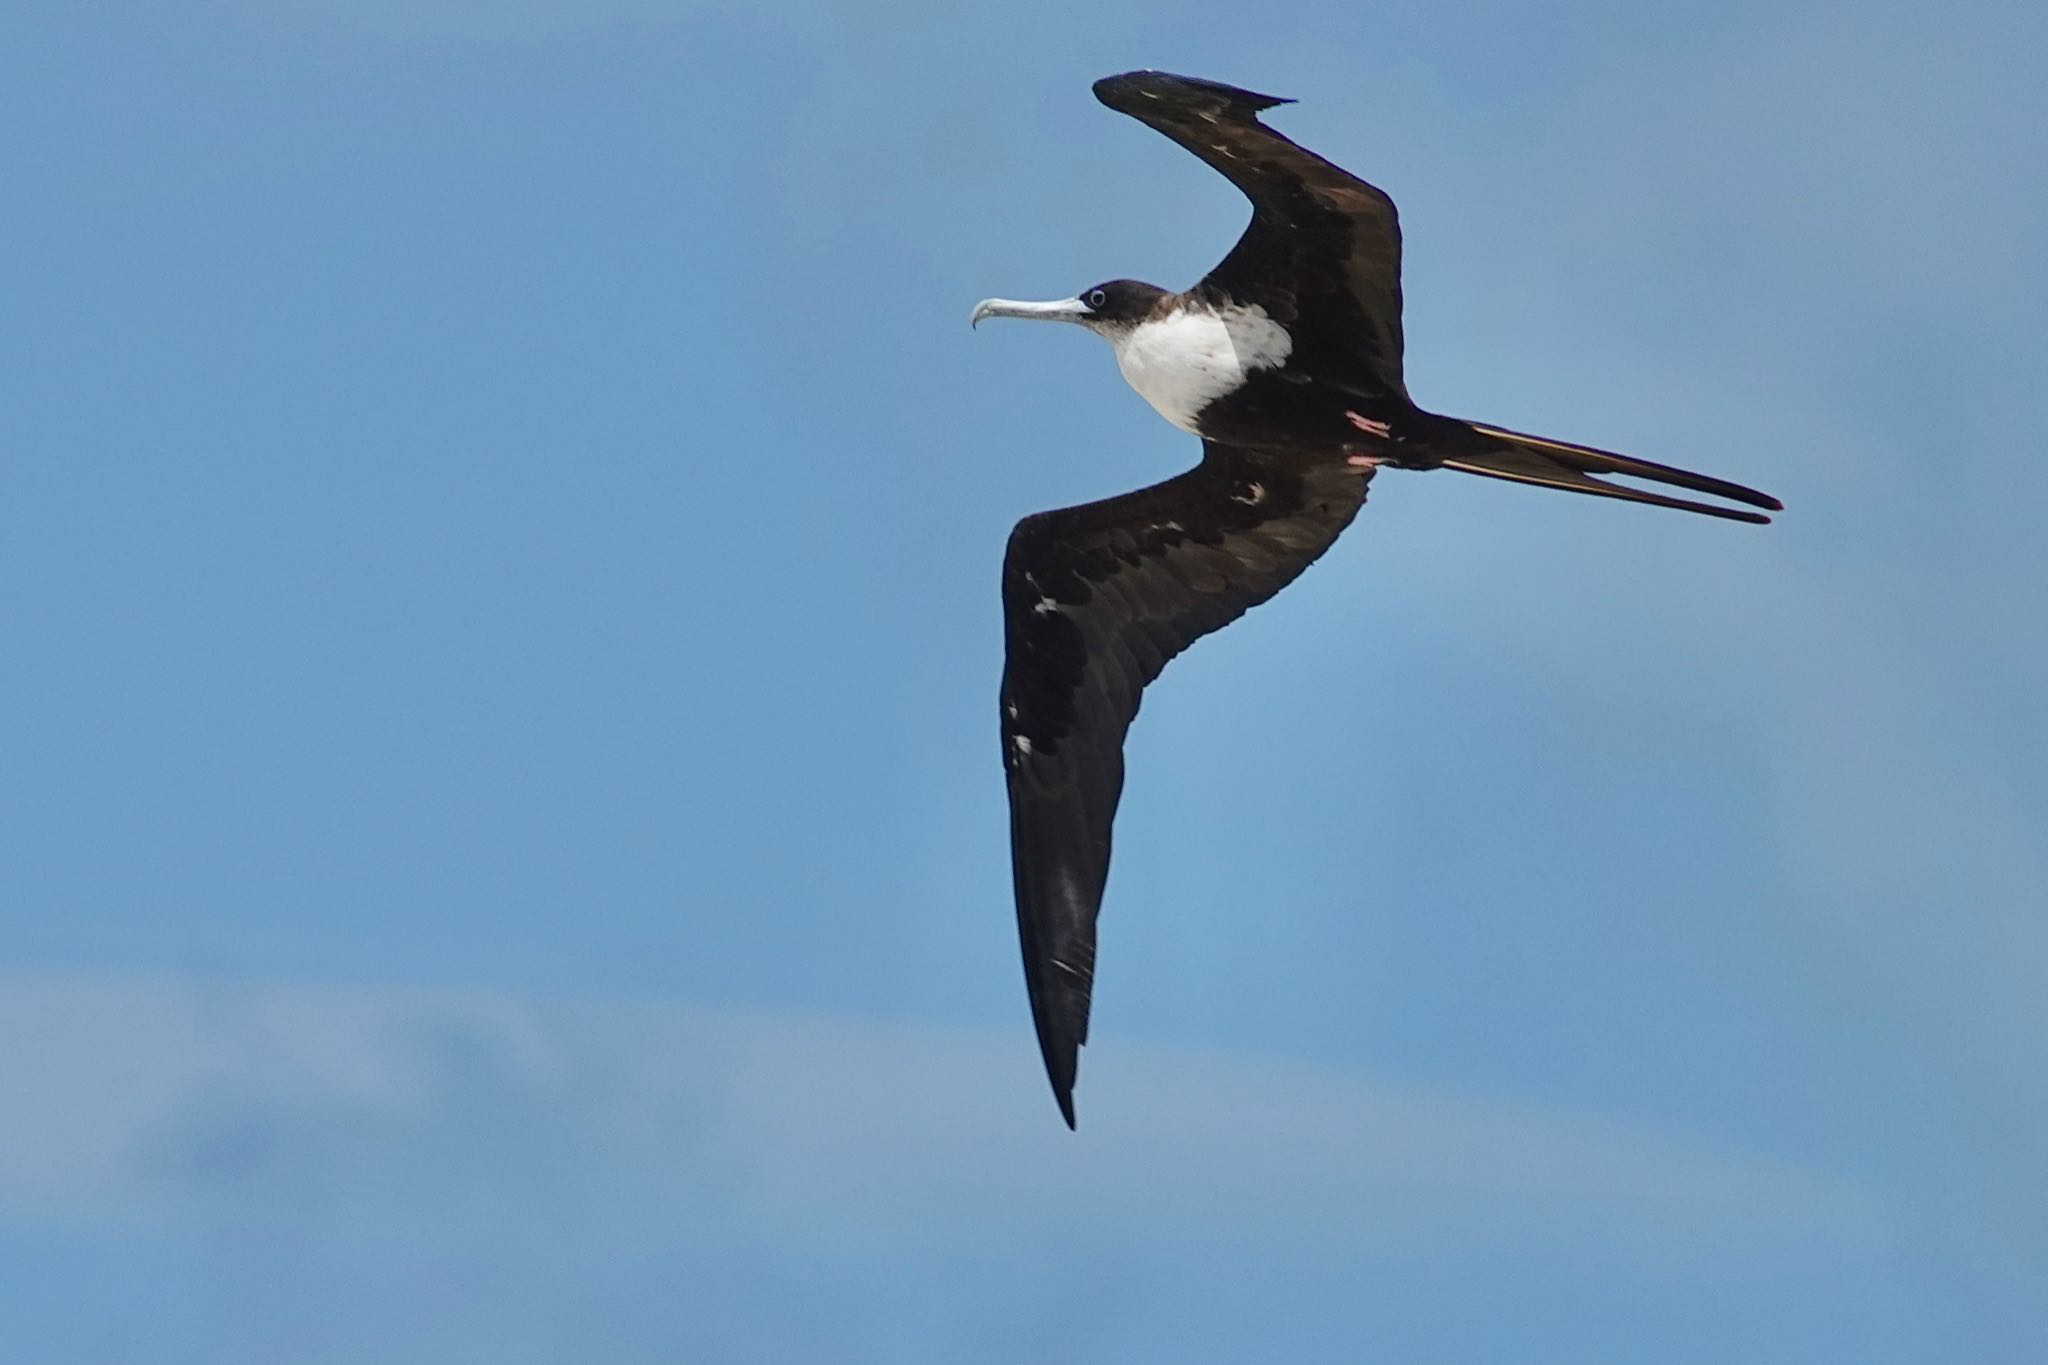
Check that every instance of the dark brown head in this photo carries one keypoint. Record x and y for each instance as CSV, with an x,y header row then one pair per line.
x,y
1108,308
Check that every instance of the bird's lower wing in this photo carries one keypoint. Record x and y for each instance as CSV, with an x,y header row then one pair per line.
x,y
1096,600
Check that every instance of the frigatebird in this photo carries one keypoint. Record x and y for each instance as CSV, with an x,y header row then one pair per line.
x,y
1286,361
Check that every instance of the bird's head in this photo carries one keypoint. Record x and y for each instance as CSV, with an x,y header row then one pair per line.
x,y
1110,309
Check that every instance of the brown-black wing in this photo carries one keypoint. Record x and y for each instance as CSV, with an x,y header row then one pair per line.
x,y
1096,599
1322,255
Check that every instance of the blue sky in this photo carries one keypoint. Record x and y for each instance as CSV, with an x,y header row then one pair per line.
x,y
505,856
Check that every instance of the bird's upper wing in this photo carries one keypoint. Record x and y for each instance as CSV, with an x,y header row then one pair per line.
x,y
1322,255
1096,599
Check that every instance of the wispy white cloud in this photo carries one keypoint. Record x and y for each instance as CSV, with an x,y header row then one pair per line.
x,y
661,1179
143,1092
777,1187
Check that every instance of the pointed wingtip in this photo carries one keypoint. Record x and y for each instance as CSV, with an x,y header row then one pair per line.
x,y
1126,91
1061,1064
1061,1027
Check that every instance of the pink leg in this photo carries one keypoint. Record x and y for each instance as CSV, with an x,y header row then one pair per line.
x,y
1371,428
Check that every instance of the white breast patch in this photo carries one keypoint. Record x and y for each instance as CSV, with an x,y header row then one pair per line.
x,y
1188,359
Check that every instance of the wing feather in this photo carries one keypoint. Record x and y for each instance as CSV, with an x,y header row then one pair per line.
x,y
1322,254
1097,600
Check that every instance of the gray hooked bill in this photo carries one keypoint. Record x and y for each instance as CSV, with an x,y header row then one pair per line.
x,y
1058,310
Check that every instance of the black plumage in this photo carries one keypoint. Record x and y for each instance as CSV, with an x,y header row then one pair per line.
x,y
1098,598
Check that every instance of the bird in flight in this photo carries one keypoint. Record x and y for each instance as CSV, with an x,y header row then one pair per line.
x,y
1286,361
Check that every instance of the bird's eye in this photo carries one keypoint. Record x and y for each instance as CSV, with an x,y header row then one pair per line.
x,y
1096,298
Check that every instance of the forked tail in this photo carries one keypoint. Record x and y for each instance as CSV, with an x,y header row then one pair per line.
x,y
1503,454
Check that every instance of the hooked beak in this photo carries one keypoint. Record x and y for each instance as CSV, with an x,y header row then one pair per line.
x,y
1059,310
